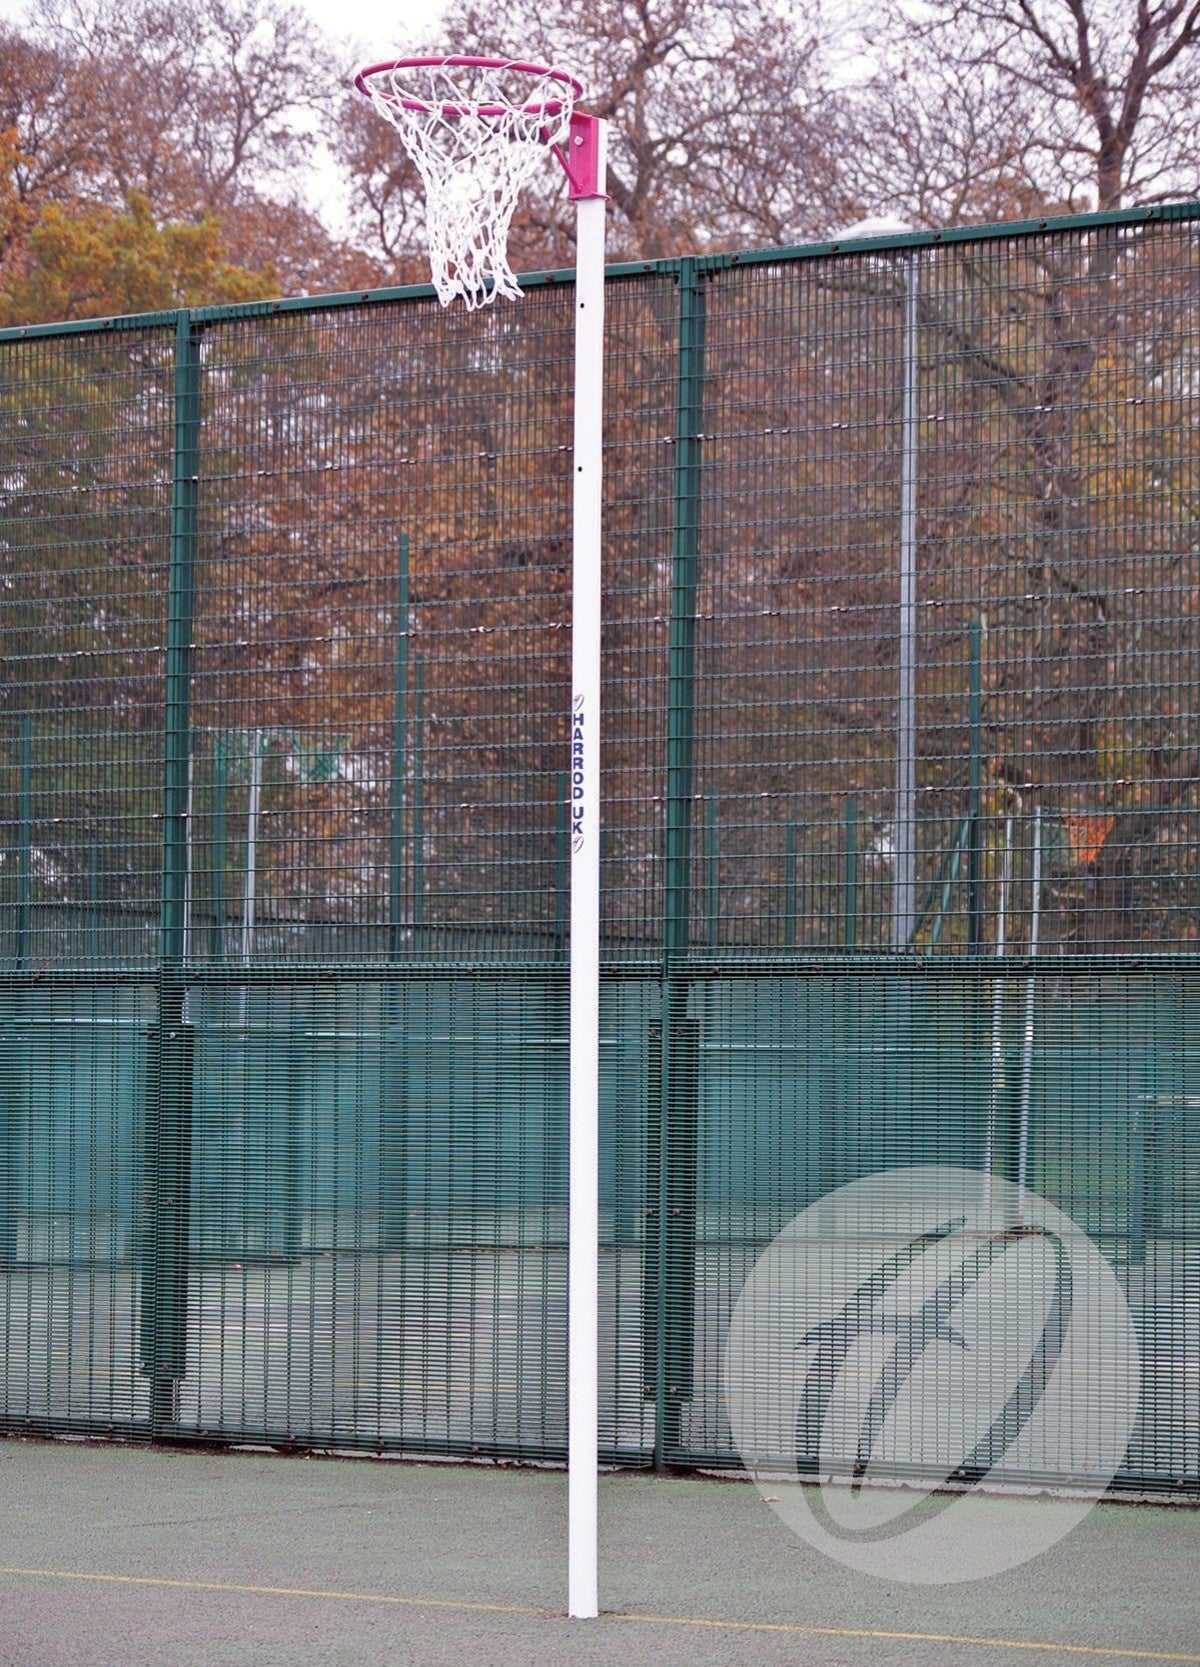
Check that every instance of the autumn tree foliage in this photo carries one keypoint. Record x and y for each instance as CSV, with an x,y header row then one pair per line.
x,y
14,215
96,261
733,125
992,109
203,114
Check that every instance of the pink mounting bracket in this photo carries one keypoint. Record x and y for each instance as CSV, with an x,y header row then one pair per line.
x,y
580,157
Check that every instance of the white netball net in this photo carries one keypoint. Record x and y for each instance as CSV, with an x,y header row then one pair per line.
x,y
477,134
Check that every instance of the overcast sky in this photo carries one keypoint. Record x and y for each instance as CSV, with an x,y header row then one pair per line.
x,y
376,25
373,24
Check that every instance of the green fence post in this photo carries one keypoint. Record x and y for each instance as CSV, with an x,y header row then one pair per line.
x,y
25,844
1155,1113
712,868
169,1074
1158,1122
668,1319
948,877
418,804
393,1122
218,856
850,890
93,890
399,745
1143,1136
681,668
789,886
10,1111
668,1326
975,792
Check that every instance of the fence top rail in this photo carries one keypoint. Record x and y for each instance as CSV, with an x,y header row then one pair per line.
x,y
977,969
849,247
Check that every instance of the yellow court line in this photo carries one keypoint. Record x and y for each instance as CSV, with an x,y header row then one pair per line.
x,y
1107,1652
1102,1651
279,1591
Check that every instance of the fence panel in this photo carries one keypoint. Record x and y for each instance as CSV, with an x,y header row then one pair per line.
x,y
85,507
899,864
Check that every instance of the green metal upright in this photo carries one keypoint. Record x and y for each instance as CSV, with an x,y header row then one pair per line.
x,y
168,1120
8,1147
393,1125
681,669
850,881
789,887
399,760
217,846
712,870
418,804
673,1132
25,844
95,946
975,790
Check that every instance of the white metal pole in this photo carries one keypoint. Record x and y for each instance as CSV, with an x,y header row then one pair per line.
x,y
904,884
584,1235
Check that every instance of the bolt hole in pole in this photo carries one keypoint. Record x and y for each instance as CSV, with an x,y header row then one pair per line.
x,y
487,123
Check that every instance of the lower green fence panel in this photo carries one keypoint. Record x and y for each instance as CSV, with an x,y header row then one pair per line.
x,y
806,1085
377,1224
378,1245
72,1092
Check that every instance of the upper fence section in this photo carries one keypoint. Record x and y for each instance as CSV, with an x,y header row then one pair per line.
x,y
901,564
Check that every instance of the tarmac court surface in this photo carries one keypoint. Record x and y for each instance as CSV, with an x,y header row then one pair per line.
x,y
119,1556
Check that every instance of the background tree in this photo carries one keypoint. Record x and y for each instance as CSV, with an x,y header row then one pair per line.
x,y
95,262
1088,103
42,104
931,144
995,109
387,197
199,103
208,110
14,216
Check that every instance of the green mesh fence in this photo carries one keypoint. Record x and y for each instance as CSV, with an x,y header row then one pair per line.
x,y
902,748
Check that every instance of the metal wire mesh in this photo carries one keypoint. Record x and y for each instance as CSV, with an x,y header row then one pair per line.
x,y
900,824
86,510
